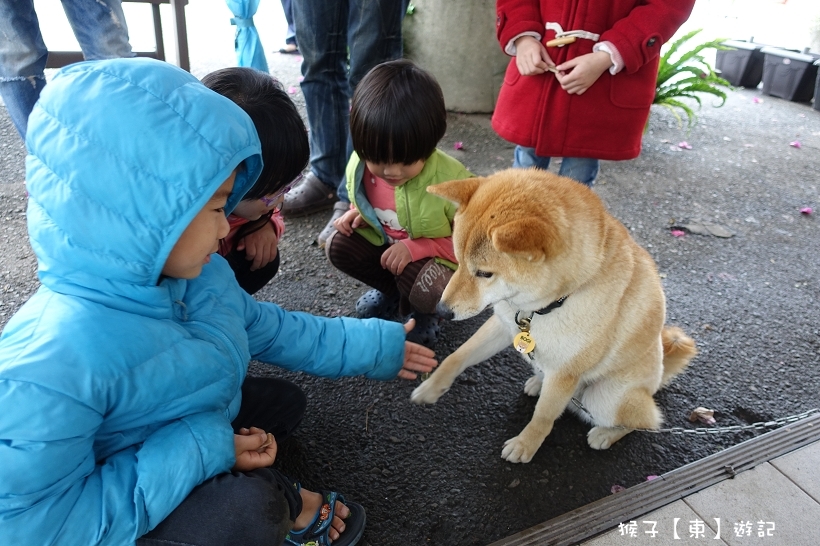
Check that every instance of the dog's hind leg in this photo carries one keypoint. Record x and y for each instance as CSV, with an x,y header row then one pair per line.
x,y
637,409
487,341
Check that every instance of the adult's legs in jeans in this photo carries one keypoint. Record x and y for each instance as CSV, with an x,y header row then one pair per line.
x,y
321,32
582,169
287,7
324,30
23,56
100,29
374,35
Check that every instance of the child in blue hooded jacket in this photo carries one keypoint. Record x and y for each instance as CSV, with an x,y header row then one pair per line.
x,y
121,379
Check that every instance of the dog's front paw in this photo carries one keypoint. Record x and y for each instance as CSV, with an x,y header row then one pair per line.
x,y
604,437
428,392
518,450
533,385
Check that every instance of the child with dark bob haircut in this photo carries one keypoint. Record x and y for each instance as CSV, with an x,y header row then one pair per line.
x,y
396,237
252,246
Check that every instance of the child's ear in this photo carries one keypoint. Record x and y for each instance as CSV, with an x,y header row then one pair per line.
x,y
457,191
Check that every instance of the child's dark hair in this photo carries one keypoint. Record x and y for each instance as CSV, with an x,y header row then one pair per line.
x,y
398,114
285,148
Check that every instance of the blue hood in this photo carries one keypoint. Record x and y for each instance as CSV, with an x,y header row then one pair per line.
x,y
122,155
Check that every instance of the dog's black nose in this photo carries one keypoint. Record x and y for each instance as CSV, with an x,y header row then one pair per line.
x,y
444,312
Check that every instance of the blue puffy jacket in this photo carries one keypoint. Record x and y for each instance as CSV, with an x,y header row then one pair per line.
x,y
117,387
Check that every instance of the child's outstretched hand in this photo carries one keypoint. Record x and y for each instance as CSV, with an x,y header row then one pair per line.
x,y
396,258
347,222
260,246
254,449
578,74
531,56
417,358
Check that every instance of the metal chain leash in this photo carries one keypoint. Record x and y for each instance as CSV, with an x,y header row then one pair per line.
x,y
702,431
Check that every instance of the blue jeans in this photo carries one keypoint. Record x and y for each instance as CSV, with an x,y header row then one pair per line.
x,y
582,169
98,25
327,31
287,7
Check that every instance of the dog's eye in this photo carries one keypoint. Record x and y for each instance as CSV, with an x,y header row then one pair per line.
x,y
484,274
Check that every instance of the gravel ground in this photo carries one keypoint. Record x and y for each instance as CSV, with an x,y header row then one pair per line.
x,y
434,475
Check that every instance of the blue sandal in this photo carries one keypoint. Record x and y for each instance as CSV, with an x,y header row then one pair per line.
x,y
316,534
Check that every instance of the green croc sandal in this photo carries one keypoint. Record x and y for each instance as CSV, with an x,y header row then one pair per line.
x,y
316,534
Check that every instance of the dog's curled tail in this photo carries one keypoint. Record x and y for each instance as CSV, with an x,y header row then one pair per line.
x,y
678,350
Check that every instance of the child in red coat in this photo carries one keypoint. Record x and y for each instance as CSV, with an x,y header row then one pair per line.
x,y
582,78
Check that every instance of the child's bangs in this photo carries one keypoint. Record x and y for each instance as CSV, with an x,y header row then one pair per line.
x,y
398,138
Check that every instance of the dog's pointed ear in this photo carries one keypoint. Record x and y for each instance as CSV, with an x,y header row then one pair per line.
x,y
530,238
457,191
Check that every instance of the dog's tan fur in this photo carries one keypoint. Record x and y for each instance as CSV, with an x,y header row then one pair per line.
x,y
542,237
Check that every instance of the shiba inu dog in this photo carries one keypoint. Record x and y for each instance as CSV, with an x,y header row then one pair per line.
x,y
571,291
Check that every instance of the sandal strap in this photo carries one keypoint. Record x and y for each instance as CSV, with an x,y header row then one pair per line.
x,y
316,533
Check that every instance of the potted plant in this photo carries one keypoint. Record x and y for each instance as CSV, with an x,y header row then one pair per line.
x,y
685,74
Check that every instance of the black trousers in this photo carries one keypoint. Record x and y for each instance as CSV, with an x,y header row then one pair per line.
x,y
242,508
361,259
251,281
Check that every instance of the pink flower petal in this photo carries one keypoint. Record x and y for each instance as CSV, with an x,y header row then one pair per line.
x,y
458,145
652,477
292,90
685,145
678,233
795,144
301,79
757,100
617,488
806,210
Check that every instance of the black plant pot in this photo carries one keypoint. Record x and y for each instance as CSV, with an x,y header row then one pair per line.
x,y
741,66
788,74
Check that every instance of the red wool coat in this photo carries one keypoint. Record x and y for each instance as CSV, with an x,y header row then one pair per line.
x,y
607,121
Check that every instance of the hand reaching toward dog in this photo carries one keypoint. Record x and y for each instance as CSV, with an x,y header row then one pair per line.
x,y
254,449
417,358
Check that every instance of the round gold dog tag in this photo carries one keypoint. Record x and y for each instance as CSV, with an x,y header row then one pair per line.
x,y
524,343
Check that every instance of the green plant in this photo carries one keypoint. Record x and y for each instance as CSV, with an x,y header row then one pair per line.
x,y
687,76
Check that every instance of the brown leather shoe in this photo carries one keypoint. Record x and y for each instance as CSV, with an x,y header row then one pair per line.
x,y
312,195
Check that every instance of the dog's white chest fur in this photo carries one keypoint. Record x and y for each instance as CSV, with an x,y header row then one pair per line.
x,y
549,332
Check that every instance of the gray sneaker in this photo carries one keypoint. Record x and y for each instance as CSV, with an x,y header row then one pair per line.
x,y
312,195
339,208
